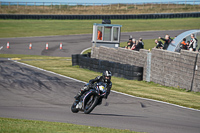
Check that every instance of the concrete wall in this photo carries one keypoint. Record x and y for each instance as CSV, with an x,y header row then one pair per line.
x,y
167,68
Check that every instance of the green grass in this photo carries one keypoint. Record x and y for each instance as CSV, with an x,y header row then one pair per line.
x,y
25,28
29,126
136,88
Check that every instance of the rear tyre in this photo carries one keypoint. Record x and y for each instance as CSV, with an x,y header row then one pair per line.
x,y
73,108
90,103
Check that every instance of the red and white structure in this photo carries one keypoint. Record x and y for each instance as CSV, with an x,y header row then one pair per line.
x,y
47,46
60,45
8,45
30,46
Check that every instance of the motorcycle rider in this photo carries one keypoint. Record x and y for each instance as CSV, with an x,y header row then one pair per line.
x,y
105,78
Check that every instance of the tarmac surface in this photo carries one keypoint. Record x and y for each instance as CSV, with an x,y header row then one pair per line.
x,y
72,44
30,93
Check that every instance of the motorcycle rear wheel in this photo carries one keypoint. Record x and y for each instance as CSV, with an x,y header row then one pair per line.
x,y
73,108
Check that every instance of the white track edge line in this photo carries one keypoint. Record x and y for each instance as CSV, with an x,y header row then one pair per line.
x,y
85,50
111,90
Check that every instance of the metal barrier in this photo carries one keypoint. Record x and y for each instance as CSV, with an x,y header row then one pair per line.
x,y
133,16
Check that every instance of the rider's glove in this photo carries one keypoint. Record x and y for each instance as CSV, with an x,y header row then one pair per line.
x,y
90,86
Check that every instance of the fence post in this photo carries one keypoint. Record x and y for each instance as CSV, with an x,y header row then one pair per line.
x,y
148,69
185,3
110,6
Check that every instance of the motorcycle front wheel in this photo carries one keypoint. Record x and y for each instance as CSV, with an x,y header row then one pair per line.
x,y
90,103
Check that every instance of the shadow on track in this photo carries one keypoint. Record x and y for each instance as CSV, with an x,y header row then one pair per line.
x,y
116,115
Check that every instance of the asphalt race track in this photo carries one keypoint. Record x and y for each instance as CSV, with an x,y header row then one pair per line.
x,y
72,44
30,93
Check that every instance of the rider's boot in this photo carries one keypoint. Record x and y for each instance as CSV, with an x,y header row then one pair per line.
x,y
77,97
80,93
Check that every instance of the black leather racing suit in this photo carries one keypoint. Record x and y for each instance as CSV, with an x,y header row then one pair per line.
x,y
91,82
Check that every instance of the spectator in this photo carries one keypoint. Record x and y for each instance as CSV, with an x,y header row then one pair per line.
x,y
193,43
167,40
140,45
183,44
130,44
134,44
187,44
99,36
159,44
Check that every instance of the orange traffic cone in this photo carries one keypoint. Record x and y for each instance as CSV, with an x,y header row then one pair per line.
x,y
60,45
30,46
8,45
47,46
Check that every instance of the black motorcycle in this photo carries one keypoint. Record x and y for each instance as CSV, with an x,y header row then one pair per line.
x,y
90,99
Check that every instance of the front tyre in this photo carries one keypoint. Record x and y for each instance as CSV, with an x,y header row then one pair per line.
x,y
90,103
73,108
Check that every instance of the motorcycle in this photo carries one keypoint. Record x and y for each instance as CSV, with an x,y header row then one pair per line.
x,y
90,99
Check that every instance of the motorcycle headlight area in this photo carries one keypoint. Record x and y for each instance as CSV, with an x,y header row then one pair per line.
x,y
101,88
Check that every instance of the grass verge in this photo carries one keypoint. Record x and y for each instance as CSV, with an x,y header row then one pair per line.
x,y
137,88
29,126
25,28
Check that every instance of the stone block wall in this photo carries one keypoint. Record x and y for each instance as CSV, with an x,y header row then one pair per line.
x,y
172,68
121,55
196,82
168,68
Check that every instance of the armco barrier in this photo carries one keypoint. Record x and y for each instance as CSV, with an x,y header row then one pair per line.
x,y
130,16
126,71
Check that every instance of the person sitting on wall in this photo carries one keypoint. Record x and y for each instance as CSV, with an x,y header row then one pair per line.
x,y
167,40
140,45
183,44
159,44
188,44
129,44
134,44
99,36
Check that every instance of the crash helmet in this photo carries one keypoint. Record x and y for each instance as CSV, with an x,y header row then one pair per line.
x,y
107,76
